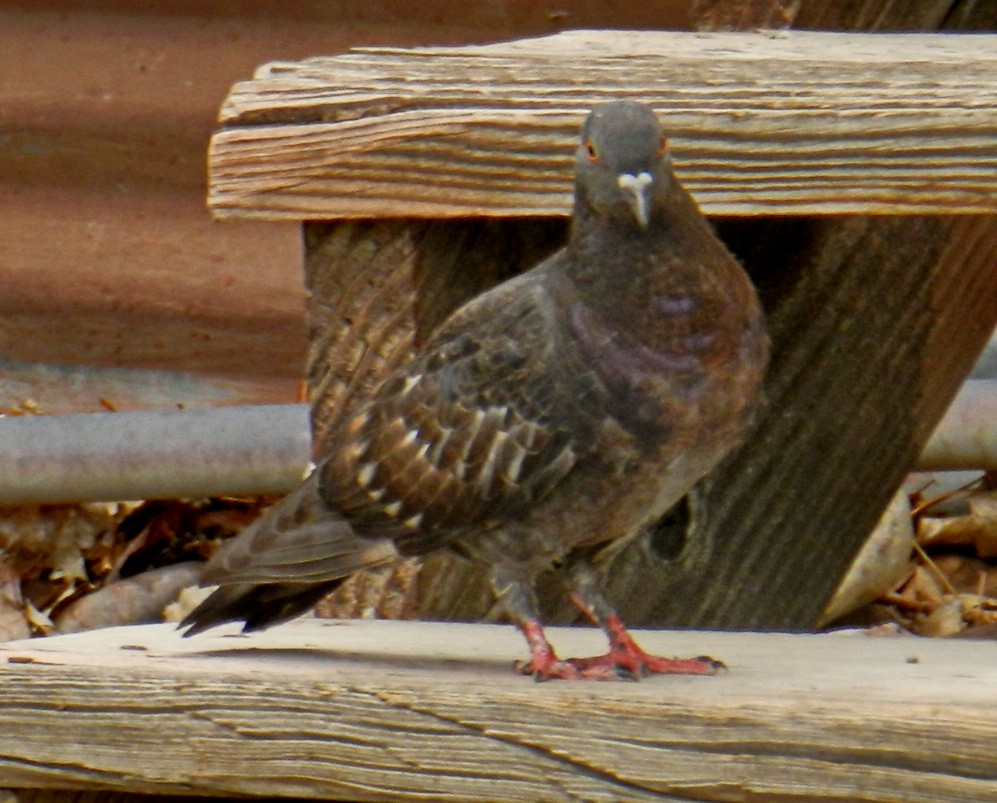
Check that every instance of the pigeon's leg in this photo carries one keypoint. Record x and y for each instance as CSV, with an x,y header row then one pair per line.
x,y
515,593
625,657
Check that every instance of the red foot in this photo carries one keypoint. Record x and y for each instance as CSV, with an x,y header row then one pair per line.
x,y
544,663
633,662
547,666
624,661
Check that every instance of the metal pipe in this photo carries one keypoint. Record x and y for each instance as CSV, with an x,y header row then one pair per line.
x,y
267,448
153,455
966,437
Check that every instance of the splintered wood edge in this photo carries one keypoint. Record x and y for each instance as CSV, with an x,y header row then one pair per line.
x,y
370,710
813,123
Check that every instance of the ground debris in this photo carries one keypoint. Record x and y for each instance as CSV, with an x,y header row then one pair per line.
x,y
78,566
70,567
949,584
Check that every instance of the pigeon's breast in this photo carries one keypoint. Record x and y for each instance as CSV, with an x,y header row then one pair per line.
x,y
652,378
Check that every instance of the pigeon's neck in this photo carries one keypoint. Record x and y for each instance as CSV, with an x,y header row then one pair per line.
x,y
614,264
667,300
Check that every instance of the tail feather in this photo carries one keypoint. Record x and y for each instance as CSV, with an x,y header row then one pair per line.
x,y
283,563
257,606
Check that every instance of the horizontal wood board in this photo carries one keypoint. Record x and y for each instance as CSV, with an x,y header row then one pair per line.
x,y
364,710
789,123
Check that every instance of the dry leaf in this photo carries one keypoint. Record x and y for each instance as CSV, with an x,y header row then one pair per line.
x,y
880,563
137,600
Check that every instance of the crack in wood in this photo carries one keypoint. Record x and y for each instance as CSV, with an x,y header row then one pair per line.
x,y
66,772
515,740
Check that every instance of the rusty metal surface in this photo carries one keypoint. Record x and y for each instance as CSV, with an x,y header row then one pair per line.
x,y
108,258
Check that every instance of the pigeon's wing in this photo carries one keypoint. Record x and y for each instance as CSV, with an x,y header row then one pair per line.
x,y
298,540
486,422
490,418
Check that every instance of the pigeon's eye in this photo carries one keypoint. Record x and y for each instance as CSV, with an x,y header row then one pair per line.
x,y
593,154
663,145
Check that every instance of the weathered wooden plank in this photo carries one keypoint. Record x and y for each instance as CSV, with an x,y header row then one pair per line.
x,y
376,288
73,796
372,710
807,123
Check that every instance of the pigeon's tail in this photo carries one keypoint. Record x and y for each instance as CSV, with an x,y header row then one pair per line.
x,y
283,563
257,606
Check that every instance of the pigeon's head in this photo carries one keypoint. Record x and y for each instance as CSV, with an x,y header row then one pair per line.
x,y
622,169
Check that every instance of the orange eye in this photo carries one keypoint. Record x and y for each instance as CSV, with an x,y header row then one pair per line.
x,y
663,146
593,154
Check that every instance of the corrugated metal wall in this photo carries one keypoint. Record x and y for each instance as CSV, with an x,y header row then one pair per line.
x,y
110,267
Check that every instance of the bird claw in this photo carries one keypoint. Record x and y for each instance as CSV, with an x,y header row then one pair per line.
x,y
715,664
624,661
700,665
566,669
630,666
636,664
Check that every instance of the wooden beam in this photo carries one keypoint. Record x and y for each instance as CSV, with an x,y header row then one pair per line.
x,y
366,710
806,123
376,288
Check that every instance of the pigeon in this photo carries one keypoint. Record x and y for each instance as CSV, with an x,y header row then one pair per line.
x,y
542,426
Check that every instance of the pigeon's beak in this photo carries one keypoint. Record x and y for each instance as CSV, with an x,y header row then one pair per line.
x,y
635,189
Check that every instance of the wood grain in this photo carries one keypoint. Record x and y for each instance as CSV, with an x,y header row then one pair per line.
x,y
362,321
803,123
376,288
374,710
